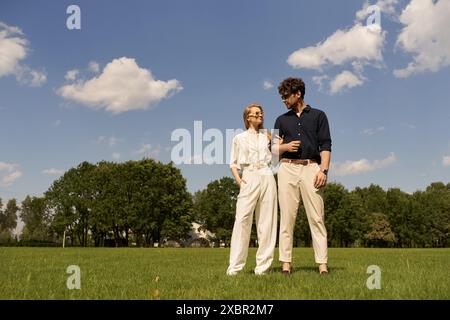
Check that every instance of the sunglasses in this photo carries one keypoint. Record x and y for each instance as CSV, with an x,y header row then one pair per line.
x,y
285,96
256,115
292,91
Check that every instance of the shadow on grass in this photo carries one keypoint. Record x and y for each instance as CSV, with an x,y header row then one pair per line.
x,y
277,270
308,269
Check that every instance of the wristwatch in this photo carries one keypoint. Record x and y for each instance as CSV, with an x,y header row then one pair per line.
x,y
325,172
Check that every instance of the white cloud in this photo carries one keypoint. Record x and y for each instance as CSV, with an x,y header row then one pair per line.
x,y
147,149
39,78
116,155
27,76
10,29
94,66
446,161
425,35
267,85
345,79
144,149
53,171
14,49
361,166
319,80
10,178
111,141
12,173
71,75
33,78
121,87
357,43
371,131
358,66
357,46
7,166
57,123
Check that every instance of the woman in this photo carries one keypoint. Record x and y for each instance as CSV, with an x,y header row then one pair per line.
x,y
250,152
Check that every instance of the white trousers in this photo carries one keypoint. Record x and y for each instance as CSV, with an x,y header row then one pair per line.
x,y
258,195
295,181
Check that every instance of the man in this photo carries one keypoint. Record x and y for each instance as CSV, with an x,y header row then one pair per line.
x,y
304,146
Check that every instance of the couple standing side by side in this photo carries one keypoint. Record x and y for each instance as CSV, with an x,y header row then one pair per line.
x,y
303,146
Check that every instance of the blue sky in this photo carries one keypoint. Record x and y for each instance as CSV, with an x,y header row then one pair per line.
x,y
206,60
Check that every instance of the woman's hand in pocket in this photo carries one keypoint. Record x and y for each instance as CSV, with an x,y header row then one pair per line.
x,y
239,183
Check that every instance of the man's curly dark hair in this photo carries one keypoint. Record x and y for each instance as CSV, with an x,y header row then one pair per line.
x,y
292,85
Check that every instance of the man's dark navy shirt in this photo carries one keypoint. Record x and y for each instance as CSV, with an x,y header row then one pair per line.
x,y
311,128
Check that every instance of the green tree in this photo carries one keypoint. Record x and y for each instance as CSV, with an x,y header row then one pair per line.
x,y
36,216
380,233
7,223
2,216
399,207
215,207
350,221
10,215
430,216
333,195
374,198
144,199
71,196
176,205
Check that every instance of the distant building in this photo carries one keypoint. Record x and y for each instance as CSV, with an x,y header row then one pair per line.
x,y
200,237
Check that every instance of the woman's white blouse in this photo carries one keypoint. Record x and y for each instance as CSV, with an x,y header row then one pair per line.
x,y
250,148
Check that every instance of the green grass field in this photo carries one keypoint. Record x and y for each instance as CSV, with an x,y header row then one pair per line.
x,y
130,273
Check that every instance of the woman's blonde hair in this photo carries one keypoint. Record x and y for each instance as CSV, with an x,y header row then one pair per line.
x,y
247,111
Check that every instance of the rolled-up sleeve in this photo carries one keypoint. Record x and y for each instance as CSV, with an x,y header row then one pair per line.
x,y
276,132
324,136
277,129
234,154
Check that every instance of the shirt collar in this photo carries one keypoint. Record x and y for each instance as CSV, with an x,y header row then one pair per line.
x,y
307,109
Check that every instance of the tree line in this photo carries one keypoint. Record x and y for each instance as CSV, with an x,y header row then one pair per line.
x,y
110,204
363,217
146,202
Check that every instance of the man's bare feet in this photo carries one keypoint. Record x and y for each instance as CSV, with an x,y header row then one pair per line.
x,y
286,268
323,270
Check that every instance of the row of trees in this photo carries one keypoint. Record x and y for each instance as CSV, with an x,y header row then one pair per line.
x,y
136,201
145,201
363,217
8,219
